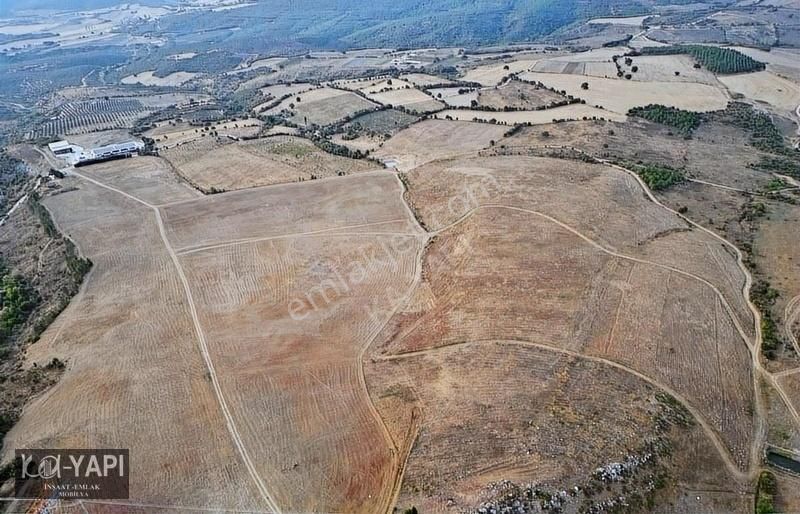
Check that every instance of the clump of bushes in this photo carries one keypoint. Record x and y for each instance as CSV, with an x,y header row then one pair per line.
x,y
765,493
659,178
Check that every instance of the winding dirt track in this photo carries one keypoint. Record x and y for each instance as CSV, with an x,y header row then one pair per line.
x,y
754,347
387,501
704,423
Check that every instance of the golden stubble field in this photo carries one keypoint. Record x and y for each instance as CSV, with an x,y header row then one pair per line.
x,y
259,162
310,347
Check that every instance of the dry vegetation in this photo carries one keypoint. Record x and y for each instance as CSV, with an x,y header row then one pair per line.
x,y
435,139
517,95
321,106
782,94
621,95
539,117
505,313
258,162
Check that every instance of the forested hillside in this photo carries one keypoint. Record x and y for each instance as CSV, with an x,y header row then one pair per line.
x,y
281,24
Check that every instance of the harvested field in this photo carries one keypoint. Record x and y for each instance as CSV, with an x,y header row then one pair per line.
x,y
782,94
624,220
518,95
455,96
283,390
322,106
359,84
662,68
147,78
384,85
539,117
412,99
596,69
493,74
275,92
424,79
291,208
621,95
639,315
635,21
171,136
295,387
594,63
435,139
265,161
135,377
148,178
591,301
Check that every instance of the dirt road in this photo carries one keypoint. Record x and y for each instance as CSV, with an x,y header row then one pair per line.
x,y
230,423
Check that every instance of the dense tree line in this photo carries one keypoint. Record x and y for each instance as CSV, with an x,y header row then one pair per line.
x,y
659,178
684,121
715,59
763,295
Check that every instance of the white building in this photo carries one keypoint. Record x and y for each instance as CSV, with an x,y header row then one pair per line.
x,y
60,147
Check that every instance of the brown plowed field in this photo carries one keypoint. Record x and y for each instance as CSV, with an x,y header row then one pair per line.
x,y
132,355
372,203
294,384
571,295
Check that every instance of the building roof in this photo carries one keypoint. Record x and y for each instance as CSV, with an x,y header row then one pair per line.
x,y
130,146
58,145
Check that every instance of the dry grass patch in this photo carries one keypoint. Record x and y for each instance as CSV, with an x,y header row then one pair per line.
x,y
365,203
321,106
435,139
493,74
602,203
455,96
135,376
545,116
148,178
654,313
621,95
412,99
518,95
170,136
259,162
763,86
424,79
662,68
274,92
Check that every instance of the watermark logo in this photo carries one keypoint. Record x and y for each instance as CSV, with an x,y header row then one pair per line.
x,y
71,474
